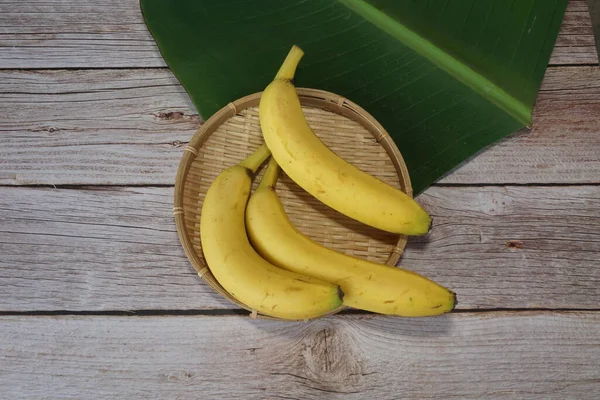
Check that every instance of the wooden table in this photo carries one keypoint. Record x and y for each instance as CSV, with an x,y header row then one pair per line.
x,y
98,300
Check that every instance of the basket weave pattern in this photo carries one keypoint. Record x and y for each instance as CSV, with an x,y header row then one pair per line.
x,y
234,132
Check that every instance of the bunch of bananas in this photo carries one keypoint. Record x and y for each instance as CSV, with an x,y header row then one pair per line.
x,y
261,259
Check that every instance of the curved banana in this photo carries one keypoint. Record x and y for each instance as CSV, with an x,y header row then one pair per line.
x,y
236,265
322,173
366,285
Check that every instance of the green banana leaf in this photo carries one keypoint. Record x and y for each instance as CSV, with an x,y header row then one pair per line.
x,y
446,78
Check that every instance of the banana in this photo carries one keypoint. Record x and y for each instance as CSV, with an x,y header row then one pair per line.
x,y
366,285
236,265
321,172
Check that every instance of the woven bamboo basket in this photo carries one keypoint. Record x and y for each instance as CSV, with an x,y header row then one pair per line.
x,y
234,132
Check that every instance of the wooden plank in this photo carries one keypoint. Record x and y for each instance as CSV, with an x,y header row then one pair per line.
x,y
101,249
513,247
127,126
575,41
93,127
112,33
75,34
594,9
115,248
465,356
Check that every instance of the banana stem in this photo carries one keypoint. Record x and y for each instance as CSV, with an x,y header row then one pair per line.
x,y
288,68
255,159
271,174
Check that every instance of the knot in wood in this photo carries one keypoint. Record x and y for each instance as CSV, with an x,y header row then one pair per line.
x,y
329,358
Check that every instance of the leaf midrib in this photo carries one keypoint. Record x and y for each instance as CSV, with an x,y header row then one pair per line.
x,y
454,67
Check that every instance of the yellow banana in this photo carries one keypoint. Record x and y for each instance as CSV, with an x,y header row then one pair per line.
x,y
366,285
322,173
236,265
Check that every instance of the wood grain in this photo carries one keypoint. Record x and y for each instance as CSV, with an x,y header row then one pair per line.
x,y
102,249
96,127
465,356
575,41
128,126
75,34
112,33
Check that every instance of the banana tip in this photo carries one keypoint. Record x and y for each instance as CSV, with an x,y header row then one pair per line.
x,y
454,301
340,293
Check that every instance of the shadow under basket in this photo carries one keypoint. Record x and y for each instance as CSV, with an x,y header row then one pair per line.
x,y
233,133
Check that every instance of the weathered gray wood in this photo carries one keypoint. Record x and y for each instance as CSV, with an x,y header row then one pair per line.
x,y
575,42
594,9
116,249
75,34
513,246
101,249
126,126
96,127
463,356
111,33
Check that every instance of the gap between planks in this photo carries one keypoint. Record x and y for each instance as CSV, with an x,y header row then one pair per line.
x,y
237,312
168,185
